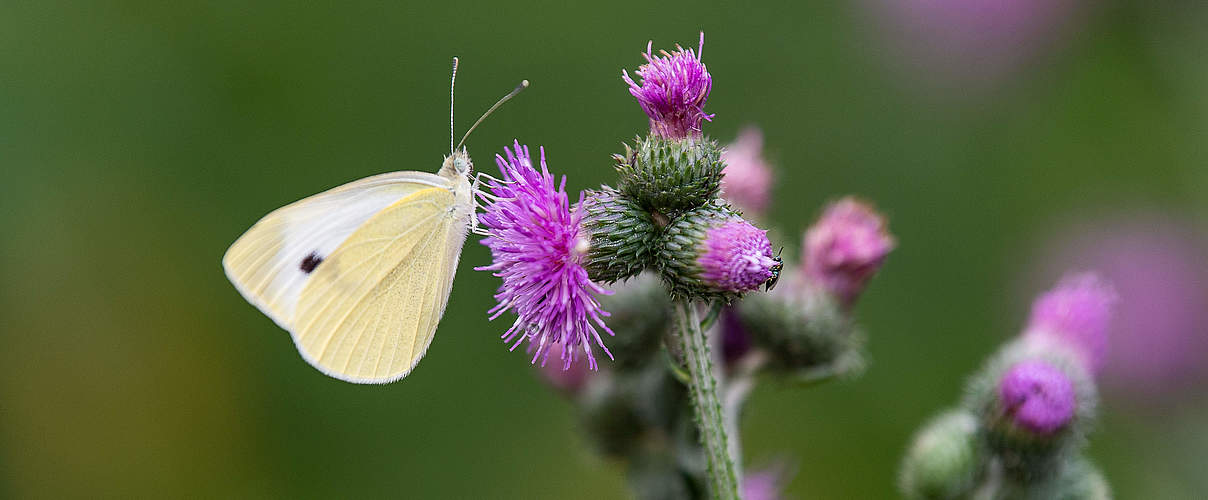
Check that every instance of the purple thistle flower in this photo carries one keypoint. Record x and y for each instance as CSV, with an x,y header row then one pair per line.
x,y
1076,313
537,247
736,257
1158,337
846,247
748,178
765,484
673,91
1037,396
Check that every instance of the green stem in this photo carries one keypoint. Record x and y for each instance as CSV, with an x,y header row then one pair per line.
x,y
711,316
706,402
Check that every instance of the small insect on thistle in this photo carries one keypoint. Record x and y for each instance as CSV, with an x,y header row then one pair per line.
x,y
775,269
360,274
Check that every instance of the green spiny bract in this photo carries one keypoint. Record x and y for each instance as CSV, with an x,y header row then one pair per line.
x,y
671,176
805,333
946,459
679,247
623,236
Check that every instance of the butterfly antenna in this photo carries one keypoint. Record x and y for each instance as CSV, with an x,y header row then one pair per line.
x,y
452,83
523,85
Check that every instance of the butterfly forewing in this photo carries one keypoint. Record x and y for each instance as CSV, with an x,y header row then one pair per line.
x,y
274,259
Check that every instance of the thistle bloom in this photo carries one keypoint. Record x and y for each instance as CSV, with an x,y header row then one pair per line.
x,y
748,178
711,252
846,247
737,257
1037,397
1076,313
1158,335
673,91
538,249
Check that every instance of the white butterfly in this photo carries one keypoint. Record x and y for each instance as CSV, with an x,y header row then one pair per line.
x,y
360,274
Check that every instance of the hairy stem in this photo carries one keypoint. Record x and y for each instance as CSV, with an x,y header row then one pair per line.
x,y
706,402
738,387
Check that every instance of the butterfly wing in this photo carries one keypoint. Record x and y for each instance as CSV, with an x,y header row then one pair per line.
x,y
369,311
272,262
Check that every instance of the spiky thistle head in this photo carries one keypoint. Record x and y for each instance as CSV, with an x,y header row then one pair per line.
x,y
621,234
538,248
846,247
673,89
711,252
668,176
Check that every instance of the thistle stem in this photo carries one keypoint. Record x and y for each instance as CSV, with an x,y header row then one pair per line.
x,y
706,402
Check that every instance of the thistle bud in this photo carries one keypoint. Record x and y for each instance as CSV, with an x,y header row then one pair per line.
x,y
670,176
845,248
1037,403
1076,313
1081,480
641,314
622,236
946,459
1036,397
1072,478
748,177
623,409
711,252
804,332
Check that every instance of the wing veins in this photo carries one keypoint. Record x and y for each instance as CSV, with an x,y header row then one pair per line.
x,y
363,310
359,299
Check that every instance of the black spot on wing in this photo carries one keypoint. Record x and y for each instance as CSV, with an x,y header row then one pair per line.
x,y
311,262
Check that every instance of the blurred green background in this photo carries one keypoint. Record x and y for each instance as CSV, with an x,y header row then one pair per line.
x,y
139,139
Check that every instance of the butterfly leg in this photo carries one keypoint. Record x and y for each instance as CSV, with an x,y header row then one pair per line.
x,y
476,188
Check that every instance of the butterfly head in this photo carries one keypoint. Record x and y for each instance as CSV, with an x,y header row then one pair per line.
x,y
457,165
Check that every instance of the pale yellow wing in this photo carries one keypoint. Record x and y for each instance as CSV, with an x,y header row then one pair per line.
x,y
272,262
370,309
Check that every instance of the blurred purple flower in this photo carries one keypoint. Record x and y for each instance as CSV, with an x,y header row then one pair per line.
x,y
845,248
748,178
1037,396
735,340
737,257
537,249
673,91
1158,341
764,484
1076,313
966,42
568,380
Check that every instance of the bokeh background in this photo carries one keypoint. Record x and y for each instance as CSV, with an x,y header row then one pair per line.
x,y
139,139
